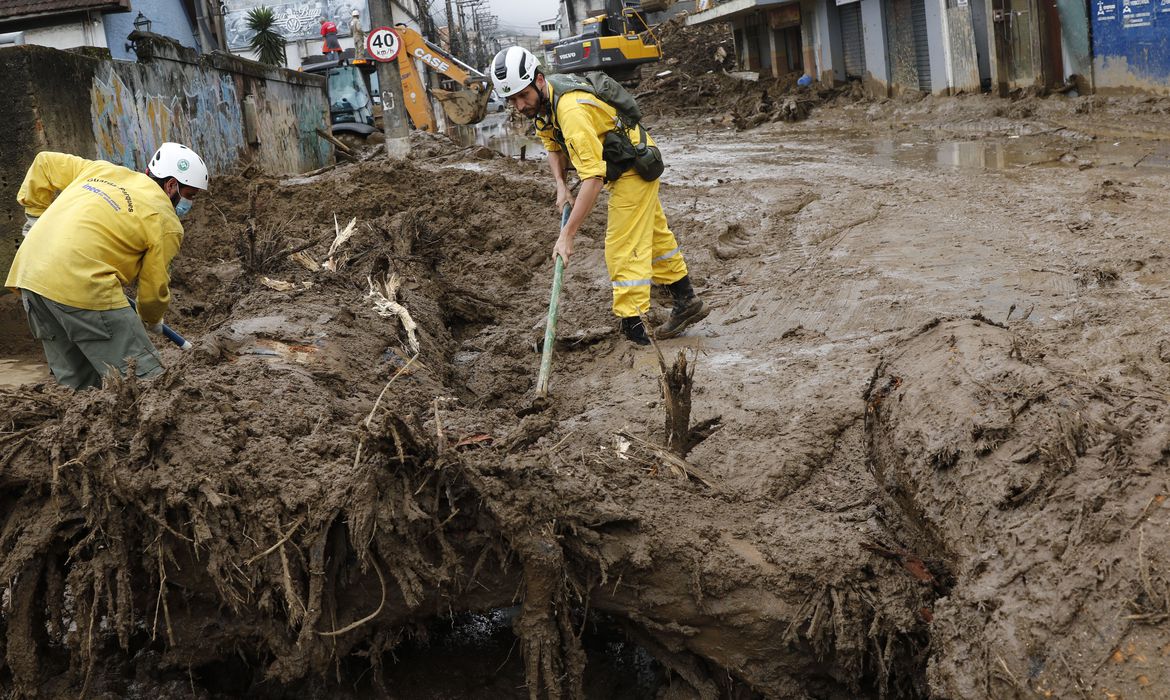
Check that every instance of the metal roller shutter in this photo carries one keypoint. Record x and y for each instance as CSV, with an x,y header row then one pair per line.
x,y
921,47
852,40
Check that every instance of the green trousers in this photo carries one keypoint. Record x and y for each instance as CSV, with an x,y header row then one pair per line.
x,y
82,346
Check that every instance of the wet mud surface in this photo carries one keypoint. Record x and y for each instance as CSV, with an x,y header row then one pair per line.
x,y
937,362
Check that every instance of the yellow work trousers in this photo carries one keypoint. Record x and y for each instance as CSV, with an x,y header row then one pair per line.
x,y
640,250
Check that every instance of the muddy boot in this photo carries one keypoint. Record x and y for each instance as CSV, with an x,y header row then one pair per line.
x,y
633,329
688,310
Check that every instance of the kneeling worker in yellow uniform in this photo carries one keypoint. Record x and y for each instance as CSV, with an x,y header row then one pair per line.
x,y
107,227
640,249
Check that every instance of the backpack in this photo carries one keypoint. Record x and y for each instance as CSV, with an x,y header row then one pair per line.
x,y
618,151
602,86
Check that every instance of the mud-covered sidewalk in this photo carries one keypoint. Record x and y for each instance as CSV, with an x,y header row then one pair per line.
x,y
931,455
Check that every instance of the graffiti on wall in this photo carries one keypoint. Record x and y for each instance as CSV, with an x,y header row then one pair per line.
x,y
294,20
130,122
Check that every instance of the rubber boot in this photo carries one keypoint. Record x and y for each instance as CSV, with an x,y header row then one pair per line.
x,y
634,331
688,310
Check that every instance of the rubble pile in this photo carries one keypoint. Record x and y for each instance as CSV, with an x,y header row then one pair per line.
x,y
697,79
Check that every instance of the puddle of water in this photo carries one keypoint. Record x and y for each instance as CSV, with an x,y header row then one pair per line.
x,y
22,370
499,133
964,155
1155,160
1009,154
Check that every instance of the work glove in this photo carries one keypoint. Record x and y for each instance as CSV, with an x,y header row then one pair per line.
x,y
28,224
155,328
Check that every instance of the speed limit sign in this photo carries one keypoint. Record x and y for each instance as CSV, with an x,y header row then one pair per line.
x,y
382,44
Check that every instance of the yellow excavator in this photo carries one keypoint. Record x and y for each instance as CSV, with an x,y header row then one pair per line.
x,y
617,41
348,84
466,105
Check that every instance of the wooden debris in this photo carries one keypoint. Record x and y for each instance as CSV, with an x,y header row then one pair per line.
x,y
384,293
677,465
333,261
278,285
306,261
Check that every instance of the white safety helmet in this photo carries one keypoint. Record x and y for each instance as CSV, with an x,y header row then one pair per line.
x,y
177,161
513,69
356,13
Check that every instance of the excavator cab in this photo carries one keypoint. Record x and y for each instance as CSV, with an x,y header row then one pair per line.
x,y
351,109
617,41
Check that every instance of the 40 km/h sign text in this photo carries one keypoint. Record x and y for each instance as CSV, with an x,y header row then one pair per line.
x,y
382,44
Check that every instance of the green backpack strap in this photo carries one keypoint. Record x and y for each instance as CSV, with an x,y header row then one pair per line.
x,y
562,83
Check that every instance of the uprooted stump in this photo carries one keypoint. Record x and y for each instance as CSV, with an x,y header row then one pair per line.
x,y
676,383
1042,489
152,521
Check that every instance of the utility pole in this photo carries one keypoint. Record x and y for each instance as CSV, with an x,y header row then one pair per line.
x,y
463,44
452,44
394,120
425,22
478,37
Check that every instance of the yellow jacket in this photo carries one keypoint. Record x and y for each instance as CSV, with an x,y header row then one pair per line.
x,y
584,120
107,227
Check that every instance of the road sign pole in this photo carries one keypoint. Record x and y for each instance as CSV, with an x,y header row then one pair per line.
x,y
394,120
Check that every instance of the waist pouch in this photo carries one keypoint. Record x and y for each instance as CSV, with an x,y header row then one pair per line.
x,y
620,154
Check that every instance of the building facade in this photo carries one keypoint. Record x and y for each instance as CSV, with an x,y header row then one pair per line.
x,y
297,21
945,47
105,24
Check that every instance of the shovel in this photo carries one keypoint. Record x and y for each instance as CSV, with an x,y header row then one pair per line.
x,y
550,330
171,335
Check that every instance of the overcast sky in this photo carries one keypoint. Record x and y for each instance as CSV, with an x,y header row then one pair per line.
x,y
523,14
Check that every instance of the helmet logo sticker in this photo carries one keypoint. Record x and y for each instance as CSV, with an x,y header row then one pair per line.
x,y
183,165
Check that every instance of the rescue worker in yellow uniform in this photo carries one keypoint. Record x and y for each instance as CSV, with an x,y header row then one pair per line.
x,y
640,249
93,227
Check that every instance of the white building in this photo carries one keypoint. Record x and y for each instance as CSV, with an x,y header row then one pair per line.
x,y
548,31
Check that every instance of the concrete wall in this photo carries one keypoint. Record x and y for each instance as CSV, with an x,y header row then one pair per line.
x,y
877,63
87,104
830,65
836,49
900,46
1131,49
33,82
808,39
962,56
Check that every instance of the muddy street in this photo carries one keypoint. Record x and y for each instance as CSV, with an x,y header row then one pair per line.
x,y
929,460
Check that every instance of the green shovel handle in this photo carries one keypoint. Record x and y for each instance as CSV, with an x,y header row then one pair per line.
x,y
550,327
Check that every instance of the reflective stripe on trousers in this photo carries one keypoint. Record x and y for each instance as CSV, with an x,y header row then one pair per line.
x,y
639,247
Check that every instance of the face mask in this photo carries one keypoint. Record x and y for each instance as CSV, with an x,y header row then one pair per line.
x,y
183,206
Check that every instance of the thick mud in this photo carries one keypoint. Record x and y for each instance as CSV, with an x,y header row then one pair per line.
x,y
932,462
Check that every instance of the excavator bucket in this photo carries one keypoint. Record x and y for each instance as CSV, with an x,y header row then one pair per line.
x,y
463,106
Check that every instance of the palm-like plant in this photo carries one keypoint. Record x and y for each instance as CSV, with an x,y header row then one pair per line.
x,y
266,41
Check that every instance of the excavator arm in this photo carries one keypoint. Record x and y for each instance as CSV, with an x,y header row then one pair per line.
x,y
466,106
